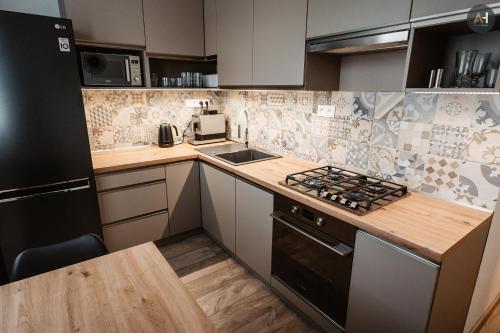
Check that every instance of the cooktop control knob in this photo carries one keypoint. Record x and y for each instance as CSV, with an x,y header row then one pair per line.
x,y
136,78
320,221
294,209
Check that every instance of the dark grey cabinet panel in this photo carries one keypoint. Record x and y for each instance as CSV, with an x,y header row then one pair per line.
x,y
174,27
234,42
183,193
254,227
110,21
327,17
210,14
279,42
391,289
218,205
422,8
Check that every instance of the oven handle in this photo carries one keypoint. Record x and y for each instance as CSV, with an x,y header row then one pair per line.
x,y
127,69
341,249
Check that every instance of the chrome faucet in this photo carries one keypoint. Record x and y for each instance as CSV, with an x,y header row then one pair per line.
x,y
246,128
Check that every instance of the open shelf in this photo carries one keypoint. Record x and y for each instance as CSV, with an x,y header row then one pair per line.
x,y
166,67
435,47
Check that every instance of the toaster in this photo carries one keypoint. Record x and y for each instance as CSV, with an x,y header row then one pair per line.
x,y
208,128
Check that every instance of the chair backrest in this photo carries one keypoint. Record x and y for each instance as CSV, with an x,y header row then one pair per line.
x,y
39,260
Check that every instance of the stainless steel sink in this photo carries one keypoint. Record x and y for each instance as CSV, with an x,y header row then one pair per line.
x,y
236,154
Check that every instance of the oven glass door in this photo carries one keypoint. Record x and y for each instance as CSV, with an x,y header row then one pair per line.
x,y
106,69
311,269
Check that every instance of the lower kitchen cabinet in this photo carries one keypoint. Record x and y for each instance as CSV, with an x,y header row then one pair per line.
x,y
133,232
183,193
218,205
254,227
391,289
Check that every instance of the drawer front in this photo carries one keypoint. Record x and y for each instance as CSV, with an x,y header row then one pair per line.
x,y
131,202
126,234
126,178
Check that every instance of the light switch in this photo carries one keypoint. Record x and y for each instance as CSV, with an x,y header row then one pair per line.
x,y
326,111
195,102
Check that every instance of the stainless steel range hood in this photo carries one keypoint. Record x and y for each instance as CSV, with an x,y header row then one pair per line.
x,y
362,44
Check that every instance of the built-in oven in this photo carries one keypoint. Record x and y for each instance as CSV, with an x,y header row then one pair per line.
x,y
105,69
312,256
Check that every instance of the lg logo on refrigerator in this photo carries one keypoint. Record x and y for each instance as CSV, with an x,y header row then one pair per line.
x,y
64,44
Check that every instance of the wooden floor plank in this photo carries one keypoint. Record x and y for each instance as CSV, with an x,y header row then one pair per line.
x,y
233,299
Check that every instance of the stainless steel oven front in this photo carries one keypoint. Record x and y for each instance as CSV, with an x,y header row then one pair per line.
x,y
104,69
310,260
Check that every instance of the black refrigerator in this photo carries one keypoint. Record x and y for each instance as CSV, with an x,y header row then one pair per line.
x,y
47,187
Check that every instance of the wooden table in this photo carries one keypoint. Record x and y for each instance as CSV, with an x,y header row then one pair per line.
x,y
134,290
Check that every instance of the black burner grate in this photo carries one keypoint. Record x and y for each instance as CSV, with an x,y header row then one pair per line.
x,y
349,190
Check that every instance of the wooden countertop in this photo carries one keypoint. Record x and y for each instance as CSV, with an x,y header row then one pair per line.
x,y
134,290
425,225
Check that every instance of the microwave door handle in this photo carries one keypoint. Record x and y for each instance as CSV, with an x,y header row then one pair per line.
x,y
127,69
340,248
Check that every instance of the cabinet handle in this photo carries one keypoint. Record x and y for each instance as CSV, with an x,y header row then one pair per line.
x,y
340,248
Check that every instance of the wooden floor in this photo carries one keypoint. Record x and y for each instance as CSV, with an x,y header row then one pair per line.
x,y
232,298
491,324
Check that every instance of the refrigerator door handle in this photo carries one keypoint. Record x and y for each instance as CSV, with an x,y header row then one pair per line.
x,y
34,192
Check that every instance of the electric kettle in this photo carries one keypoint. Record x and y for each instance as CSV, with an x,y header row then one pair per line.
x,y
165,135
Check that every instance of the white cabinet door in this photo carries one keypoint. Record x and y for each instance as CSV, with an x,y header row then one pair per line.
x,y
109,21
391,289
210,15
218,205
327,17
422,8
174,27
279,36
254,227
183,193
234,42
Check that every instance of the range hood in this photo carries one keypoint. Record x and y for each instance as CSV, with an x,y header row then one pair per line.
x,y
368,43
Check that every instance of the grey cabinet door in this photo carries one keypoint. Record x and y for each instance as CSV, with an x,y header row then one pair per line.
x,y
210,14
174,27
110,21
391,289
254,227
279,42
422,8
234,42
183,195
326,17
218,205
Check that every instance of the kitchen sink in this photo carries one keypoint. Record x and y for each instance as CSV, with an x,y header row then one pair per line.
x,y
236,154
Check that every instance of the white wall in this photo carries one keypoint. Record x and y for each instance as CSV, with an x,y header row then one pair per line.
x,y
39,7
488,280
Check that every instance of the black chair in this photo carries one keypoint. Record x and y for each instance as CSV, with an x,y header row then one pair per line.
x,y
39,260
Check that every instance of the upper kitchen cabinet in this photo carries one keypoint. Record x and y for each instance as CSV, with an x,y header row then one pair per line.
x,y
234,42
174,27
210,15
328,17
279,42
109,22
422,8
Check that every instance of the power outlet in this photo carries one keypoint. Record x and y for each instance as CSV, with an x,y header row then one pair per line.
x,y
327,111
194,102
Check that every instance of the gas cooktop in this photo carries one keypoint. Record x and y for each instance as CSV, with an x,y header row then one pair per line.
x,y
345,189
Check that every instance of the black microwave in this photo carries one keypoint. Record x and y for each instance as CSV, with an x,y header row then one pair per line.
x,y
104,69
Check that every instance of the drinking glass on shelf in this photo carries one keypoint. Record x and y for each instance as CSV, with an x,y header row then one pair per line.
x,y
479,67
463,67
154,79
172,82
491,75
164,81
197,80
187,79
179,82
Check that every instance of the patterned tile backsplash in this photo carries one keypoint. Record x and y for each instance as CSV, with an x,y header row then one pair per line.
x,y
445,145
